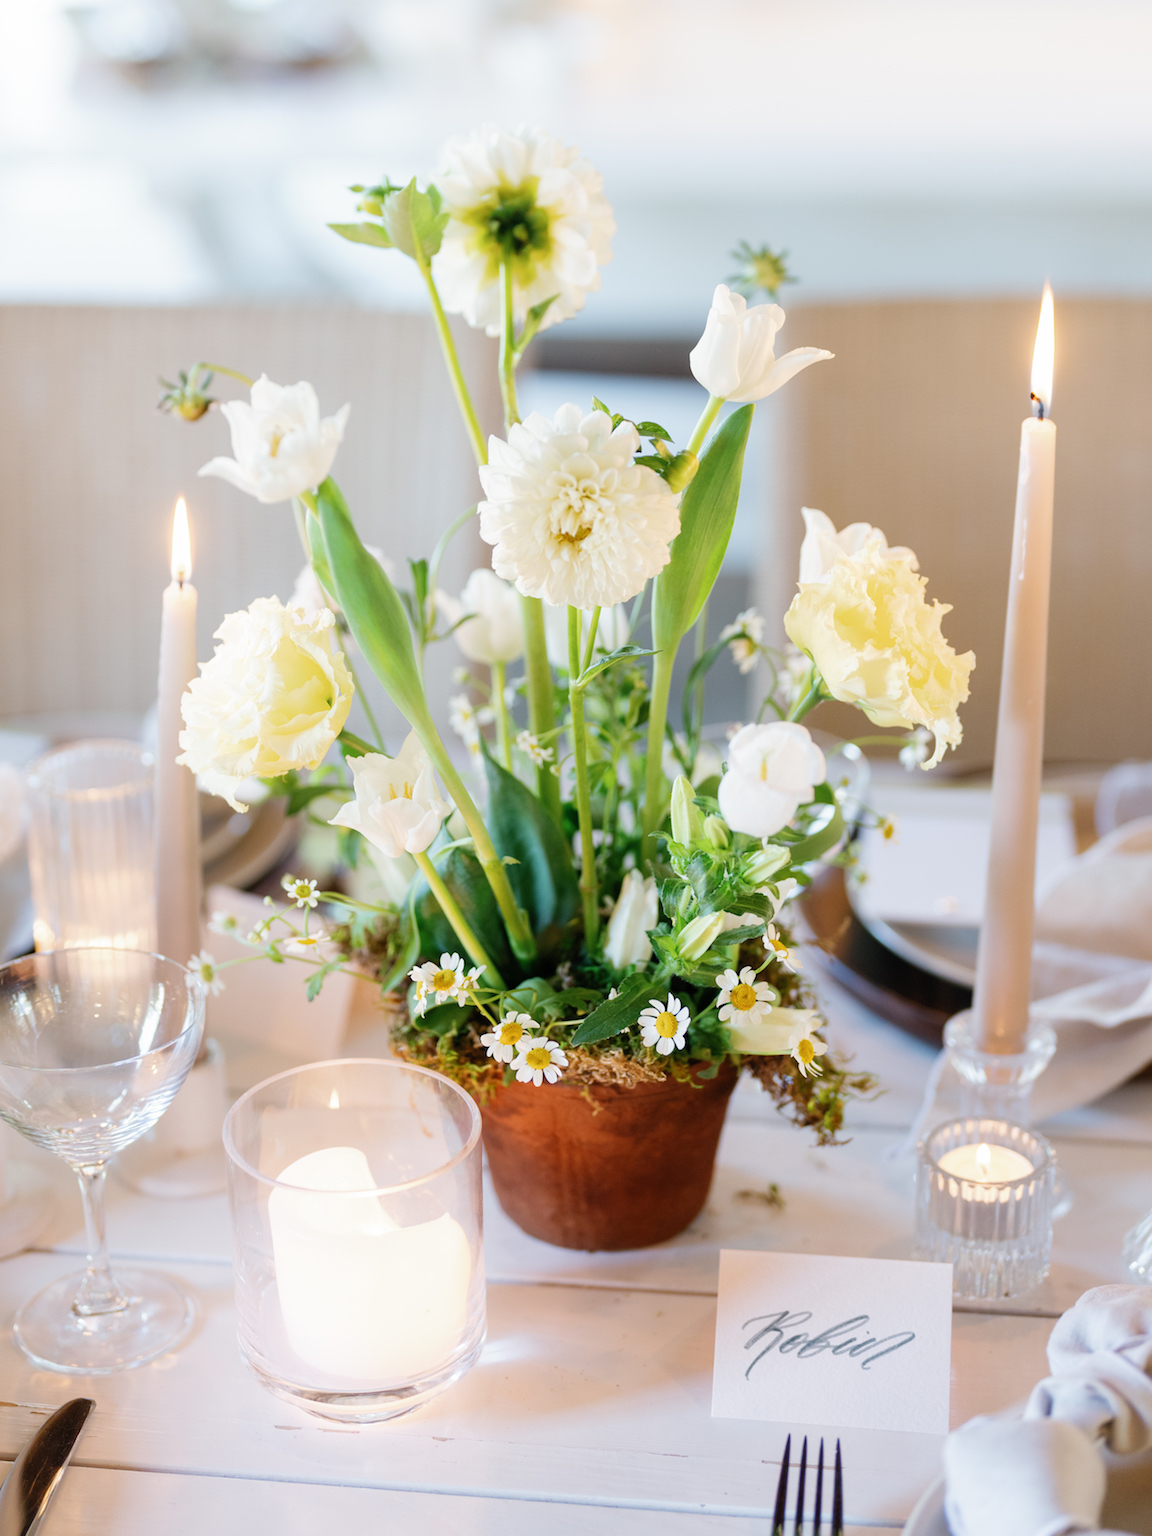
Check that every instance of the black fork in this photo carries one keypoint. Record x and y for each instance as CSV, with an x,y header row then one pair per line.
x,y
780,1514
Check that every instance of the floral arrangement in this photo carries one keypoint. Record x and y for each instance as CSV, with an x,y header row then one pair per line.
x,y
602,902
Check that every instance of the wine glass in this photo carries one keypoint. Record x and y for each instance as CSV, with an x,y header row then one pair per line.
x,y
94,1044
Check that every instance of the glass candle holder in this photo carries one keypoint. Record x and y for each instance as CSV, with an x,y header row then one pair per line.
x,y
984,1200
90,847
358,1235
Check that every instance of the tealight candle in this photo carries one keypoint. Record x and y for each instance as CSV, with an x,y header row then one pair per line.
x,y
983,1163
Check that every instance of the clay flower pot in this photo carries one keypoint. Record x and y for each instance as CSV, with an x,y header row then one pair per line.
x,y
629,1169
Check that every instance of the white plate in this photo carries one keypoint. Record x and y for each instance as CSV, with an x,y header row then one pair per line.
x,y
927,1519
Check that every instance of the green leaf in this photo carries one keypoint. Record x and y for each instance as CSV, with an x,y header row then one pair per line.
x,y
653,430
363,234
707,512
624,652
410,949
817,843
414,222
543,879
532,323
616,1015
461,872
738,935
304,794
316,980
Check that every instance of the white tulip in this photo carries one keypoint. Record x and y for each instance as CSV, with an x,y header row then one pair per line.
x,y
495,630
398,807
636,910
734,358
281,445
772,770
823,545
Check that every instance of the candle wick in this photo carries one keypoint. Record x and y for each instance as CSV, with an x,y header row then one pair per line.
x,y
1038,407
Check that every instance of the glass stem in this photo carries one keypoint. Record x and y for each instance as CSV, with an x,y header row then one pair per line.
x,y
99,1291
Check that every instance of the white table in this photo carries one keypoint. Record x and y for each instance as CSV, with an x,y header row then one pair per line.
x,y
589,1410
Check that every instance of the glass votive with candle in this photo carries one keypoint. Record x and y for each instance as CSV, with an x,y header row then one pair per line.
x,y
984,1199
358,1235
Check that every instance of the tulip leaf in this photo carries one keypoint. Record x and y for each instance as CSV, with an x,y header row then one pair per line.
x,y
707,512
624,652
619,1012
461,872
414,221
372,607
541,873
363,234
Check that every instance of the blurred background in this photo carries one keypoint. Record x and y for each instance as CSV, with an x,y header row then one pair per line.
x,y
168,167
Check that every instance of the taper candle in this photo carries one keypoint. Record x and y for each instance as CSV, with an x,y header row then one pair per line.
x,y
1004,959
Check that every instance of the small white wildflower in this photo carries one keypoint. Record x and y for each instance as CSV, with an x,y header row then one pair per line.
x,y
463,719
302,892
777,948
803,1047
223,922
539,1061
443,983
743,999
745,635
203,967
917,750
664,1027
461,676
532,749
307,944
504,1041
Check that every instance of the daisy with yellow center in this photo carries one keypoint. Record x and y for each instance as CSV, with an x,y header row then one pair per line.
x,y
663,1028
777,949
302,892
743,999
443,983
538,1061
207,972
504,1041
804,1047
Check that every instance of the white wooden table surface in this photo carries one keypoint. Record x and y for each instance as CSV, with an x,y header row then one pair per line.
x,y
589,1409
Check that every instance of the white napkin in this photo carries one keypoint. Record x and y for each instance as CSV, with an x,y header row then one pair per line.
x,y
1043,1475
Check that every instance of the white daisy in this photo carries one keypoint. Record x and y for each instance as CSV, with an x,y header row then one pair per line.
x,y
743,999
204,968
532,749
307,945
572,518
804,1048
302,892
223,922
504,1041
443,983
538,1060
744,635
664,1027
777,948
917,749
526,199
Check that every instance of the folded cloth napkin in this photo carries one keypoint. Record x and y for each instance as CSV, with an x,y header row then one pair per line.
x,y
1043,1475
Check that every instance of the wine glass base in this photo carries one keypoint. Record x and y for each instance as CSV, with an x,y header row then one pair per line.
x,y
159,1316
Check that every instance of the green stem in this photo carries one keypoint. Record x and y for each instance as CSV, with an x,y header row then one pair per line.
x,y
707,417
654,785
451,357
359,746
810,699
507,348
460,924
363,697
588,891
541,699
701,639
592,628
503,735
231,372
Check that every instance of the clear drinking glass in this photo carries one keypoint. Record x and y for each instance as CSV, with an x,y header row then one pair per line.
x,y
357,1230
90,846
94,1044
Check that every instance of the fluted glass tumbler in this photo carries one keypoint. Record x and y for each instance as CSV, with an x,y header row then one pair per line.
x,y
357,1236
94,1044
90,846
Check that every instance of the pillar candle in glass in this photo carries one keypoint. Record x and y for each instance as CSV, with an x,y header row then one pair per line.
x,y
1004,960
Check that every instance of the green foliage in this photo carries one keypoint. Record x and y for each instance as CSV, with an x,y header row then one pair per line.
x,y
414,221
363,234
542,877
618,1013
460,870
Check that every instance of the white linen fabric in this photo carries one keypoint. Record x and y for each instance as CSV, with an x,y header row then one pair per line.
x,y
1100,1353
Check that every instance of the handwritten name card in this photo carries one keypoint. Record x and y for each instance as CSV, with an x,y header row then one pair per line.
x,y
853,1343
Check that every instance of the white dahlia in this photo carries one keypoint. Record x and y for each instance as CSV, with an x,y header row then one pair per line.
x,y
525,198
571,517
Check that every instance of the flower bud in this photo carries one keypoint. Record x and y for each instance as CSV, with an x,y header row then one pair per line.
x,y
687,828
681,470
716,831
698,936
759,867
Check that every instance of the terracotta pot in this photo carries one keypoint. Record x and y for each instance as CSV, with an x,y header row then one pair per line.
x,y
632,1174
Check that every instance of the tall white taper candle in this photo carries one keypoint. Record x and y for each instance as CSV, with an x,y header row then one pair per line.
x,y
1004,960
177,802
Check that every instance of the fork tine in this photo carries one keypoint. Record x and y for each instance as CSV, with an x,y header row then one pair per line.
x,y
798,1527
782,1491
838,1497
818,1512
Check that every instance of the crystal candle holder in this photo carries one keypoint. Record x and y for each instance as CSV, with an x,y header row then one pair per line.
x,y
356,1221
984,1201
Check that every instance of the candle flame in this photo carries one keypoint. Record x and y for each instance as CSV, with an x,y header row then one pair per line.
x,y
334,1101
1043,355
983,1159
181,544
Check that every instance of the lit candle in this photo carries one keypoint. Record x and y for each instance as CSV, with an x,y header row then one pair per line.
x,y
364,1299
177,803
1004,960
982,1163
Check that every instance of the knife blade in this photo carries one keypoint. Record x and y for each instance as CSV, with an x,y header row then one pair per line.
x,y
37,1472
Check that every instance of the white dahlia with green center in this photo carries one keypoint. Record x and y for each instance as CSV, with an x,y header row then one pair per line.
x,y
572,519
524,198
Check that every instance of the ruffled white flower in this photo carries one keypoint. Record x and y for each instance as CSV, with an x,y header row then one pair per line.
x,y
443,983
823,545
772,771
804,1048
302,892
734,357
637,910
532,750
524,198
273,698
398,806
664,1028
745,635
777,948
203,966
539,1061
743,999
503,1042
281,445
495,630
571,518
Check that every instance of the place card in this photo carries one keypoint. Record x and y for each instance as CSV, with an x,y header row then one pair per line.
x,y
853,1343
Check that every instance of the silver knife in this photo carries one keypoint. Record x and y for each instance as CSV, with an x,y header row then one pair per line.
x,y
39,1469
